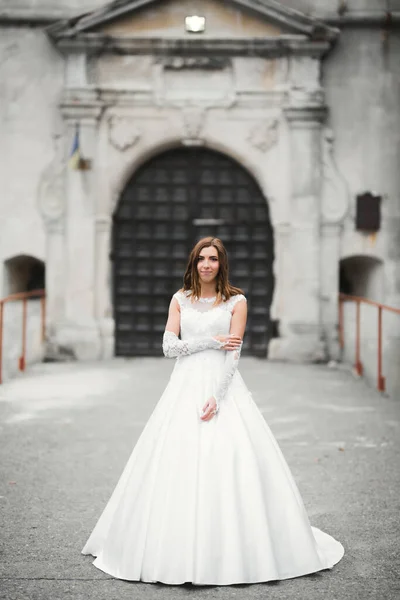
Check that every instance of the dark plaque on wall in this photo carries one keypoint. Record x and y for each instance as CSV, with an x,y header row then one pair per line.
x,y
368,212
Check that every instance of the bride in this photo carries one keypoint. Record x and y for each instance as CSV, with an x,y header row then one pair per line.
x,y
206,496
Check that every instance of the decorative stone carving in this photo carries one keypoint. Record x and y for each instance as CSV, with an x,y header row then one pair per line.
x,y
264,135
193,121
123,132
51,200
335,194
194,62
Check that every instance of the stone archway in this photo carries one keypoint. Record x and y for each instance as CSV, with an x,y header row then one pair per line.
x,y
23,273
172,200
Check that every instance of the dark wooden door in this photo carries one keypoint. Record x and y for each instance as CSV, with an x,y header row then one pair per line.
x,y
172,201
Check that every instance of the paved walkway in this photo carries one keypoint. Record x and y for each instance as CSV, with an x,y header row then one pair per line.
x,y
67,431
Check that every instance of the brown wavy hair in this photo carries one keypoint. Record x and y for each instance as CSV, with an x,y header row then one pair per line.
x,y
191,279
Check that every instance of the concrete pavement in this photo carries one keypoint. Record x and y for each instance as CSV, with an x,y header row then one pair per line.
x,y
67,431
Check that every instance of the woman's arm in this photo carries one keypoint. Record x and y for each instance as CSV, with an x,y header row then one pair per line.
x,y
238,326
174,347
239,318
174,317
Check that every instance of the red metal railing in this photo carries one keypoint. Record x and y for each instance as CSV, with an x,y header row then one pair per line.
x,y
381,307
24,297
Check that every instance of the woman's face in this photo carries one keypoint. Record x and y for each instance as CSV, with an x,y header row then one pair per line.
x,y
208,264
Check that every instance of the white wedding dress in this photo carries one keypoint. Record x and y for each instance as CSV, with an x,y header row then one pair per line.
x,y
207,502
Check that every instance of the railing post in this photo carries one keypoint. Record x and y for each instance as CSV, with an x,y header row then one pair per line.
x,y
1,340
22,358
23,296
43,316
358,365
341,323
381,379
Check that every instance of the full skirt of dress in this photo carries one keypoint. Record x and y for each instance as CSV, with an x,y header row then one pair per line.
x,y
207,502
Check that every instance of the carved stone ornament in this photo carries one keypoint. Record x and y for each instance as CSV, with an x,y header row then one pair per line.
x,y
123,132
335,193
176,63
193,120
264,135
51,197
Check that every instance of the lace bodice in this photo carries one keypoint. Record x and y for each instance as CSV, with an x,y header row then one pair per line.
x,y
202,320
202,317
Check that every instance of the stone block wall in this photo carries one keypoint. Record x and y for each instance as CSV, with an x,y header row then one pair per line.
x,y
31,75
361,81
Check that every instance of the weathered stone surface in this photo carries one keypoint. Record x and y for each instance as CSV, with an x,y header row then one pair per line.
x,y
264,107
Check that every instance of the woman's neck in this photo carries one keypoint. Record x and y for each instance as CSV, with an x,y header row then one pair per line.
x,y
208,291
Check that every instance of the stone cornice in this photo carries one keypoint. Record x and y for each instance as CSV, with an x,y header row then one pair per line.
x,y
284,45
307,114
363,19
89,101
47,16
33,17
289,19
87,104
86,108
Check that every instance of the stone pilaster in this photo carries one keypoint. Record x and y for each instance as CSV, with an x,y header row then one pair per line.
x,y
51,203
334,206
330,263
103,287
300,324
55,265
79,332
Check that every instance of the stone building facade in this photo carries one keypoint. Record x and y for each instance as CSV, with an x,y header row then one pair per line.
x,y
261,129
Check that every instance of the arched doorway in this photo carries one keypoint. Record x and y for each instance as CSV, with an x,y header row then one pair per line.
x,y
362,276
23,274
173,200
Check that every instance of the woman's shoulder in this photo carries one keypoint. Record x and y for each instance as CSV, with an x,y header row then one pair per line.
x,y
233,300
237,297
181,295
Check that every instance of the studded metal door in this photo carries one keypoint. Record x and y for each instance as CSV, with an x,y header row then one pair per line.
x,y
169,204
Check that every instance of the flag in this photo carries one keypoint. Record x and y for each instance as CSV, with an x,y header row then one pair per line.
x,y
75,156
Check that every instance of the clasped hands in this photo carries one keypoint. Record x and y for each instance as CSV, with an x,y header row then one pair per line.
x,y
230,342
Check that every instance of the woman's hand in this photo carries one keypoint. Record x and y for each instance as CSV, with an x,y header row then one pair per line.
x,y
230,342
209,409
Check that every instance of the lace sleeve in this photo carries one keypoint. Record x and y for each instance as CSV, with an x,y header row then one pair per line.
x,y
231,359
173,346
230,368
